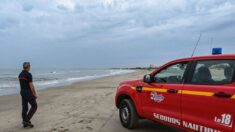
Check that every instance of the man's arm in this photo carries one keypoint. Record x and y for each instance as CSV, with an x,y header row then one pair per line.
x,y
32,88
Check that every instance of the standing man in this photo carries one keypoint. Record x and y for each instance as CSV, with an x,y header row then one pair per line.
x,y
28,95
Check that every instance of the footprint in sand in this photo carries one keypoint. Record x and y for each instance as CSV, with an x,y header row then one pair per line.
x,y
54,129
107,94
61,129
89,128
64,130
84,121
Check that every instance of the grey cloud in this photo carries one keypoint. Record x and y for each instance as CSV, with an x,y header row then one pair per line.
x,y
121,28
62,7
8,23
221,26
27,8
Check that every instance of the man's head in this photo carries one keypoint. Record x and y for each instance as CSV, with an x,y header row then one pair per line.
x,y
26,66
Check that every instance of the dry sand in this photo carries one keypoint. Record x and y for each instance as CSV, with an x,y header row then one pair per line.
x,y
82,107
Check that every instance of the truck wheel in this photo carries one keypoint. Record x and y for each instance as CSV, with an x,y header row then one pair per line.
x,y
128,115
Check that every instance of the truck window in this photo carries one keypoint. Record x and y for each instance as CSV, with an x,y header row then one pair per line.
x,y
172,74
213,72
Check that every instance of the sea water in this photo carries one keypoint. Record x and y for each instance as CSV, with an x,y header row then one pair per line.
x,y
49,78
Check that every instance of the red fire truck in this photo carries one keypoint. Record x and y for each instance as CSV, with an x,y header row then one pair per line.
x,y
193,94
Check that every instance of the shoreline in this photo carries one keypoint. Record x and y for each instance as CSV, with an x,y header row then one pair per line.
x,y
11,91
86,106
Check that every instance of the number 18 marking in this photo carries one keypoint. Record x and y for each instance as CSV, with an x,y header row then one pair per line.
x,y
224,120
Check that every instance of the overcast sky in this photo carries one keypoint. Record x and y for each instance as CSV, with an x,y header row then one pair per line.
x,y
111,33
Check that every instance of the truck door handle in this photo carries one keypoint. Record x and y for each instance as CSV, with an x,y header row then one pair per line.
x,y
222,95
172,91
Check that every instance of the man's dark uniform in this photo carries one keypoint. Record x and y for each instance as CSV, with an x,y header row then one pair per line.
x,y
27,97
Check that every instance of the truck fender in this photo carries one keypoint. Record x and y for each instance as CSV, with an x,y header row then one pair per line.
x,y
133,95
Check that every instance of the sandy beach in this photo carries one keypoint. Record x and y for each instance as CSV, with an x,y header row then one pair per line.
x,y
86,106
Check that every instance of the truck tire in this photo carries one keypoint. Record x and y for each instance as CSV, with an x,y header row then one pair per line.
x,y
128,114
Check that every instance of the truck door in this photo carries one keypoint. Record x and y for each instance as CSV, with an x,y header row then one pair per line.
x,y
160,99
208,98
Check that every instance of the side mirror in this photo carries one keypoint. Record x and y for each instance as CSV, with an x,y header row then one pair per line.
x,y
148,78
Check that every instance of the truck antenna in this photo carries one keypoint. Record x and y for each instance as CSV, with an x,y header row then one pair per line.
x,y
196,44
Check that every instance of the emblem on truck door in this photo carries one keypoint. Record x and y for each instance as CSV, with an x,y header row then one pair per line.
x,y
156,97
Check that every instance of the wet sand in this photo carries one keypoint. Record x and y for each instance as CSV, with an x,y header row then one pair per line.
x,y
86,106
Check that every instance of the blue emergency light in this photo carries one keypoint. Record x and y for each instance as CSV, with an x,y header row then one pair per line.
x,y
216,51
